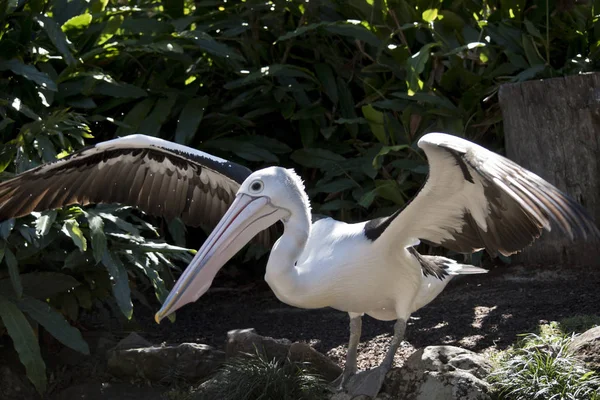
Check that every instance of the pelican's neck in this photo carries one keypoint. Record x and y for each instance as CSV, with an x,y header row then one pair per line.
x,y
281,272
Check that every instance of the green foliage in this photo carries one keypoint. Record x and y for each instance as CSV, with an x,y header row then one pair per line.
x,y
543,367
254,377
340,90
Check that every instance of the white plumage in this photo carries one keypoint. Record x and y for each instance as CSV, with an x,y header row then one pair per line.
x,y
472,199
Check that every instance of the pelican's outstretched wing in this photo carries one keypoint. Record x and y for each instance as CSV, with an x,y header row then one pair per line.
x,y
476,199
160,177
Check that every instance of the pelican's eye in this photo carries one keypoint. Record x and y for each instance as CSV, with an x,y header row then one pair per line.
x,y
257,186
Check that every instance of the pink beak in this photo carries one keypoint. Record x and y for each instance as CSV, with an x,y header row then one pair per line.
x,y
245,218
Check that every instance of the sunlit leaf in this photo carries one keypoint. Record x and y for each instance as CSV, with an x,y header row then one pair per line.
x,y
72,230
121,223
77,22
376,121
430,15
98,237
112,26
17,104
58,38
44,223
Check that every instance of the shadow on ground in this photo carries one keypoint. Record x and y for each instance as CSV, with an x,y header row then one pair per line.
x,y
476,312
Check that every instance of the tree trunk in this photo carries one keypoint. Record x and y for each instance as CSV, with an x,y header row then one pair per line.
x,y
552,127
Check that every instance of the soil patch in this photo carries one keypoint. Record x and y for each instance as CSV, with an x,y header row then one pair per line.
x,y
477,312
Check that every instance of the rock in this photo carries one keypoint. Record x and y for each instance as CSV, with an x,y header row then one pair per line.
x,y
319,363
109,391
188,361
15,387
100,342
132,341
247,341
587,347
440,373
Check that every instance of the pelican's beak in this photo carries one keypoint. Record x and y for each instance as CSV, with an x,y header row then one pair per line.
x,y
246,217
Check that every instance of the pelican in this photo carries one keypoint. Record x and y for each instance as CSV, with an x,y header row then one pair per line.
x,y
473,199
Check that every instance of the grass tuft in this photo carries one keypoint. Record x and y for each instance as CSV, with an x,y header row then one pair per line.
x,y
254,377
541,367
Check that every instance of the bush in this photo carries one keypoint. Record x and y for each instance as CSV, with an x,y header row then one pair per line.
x,y
542,367
254,377
340,90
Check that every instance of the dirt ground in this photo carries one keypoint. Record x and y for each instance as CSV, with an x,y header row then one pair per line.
x,y
477,312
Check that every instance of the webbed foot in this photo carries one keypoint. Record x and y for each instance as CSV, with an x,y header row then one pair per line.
x,y
366,382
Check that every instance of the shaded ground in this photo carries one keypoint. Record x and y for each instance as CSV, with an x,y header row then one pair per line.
x,y
477,312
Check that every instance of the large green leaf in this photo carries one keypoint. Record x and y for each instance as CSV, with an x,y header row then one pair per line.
x,y
190,119
207,43
17,104
57,37
376,121
354,31
120,283
30,72
71,229
25,342
136,116
77,22
43,224
161,111
301,30
54,323
386,150
327,79
275,70
245,150
40,285
316,158
13,271
120,90
98,237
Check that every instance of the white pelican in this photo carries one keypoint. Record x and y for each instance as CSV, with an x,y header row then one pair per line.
x,y
473,199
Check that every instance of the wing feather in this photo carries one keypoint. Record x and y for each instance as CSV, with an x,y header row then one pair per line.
x,y
476,199
159,177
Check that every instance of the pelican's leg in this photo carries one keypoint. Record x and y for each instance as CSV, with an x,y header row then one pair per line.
x,y
369,382
351,355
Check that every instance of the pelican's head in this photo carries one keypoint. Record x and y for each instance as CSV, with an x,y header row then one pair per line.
x,y
265,197
283,187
